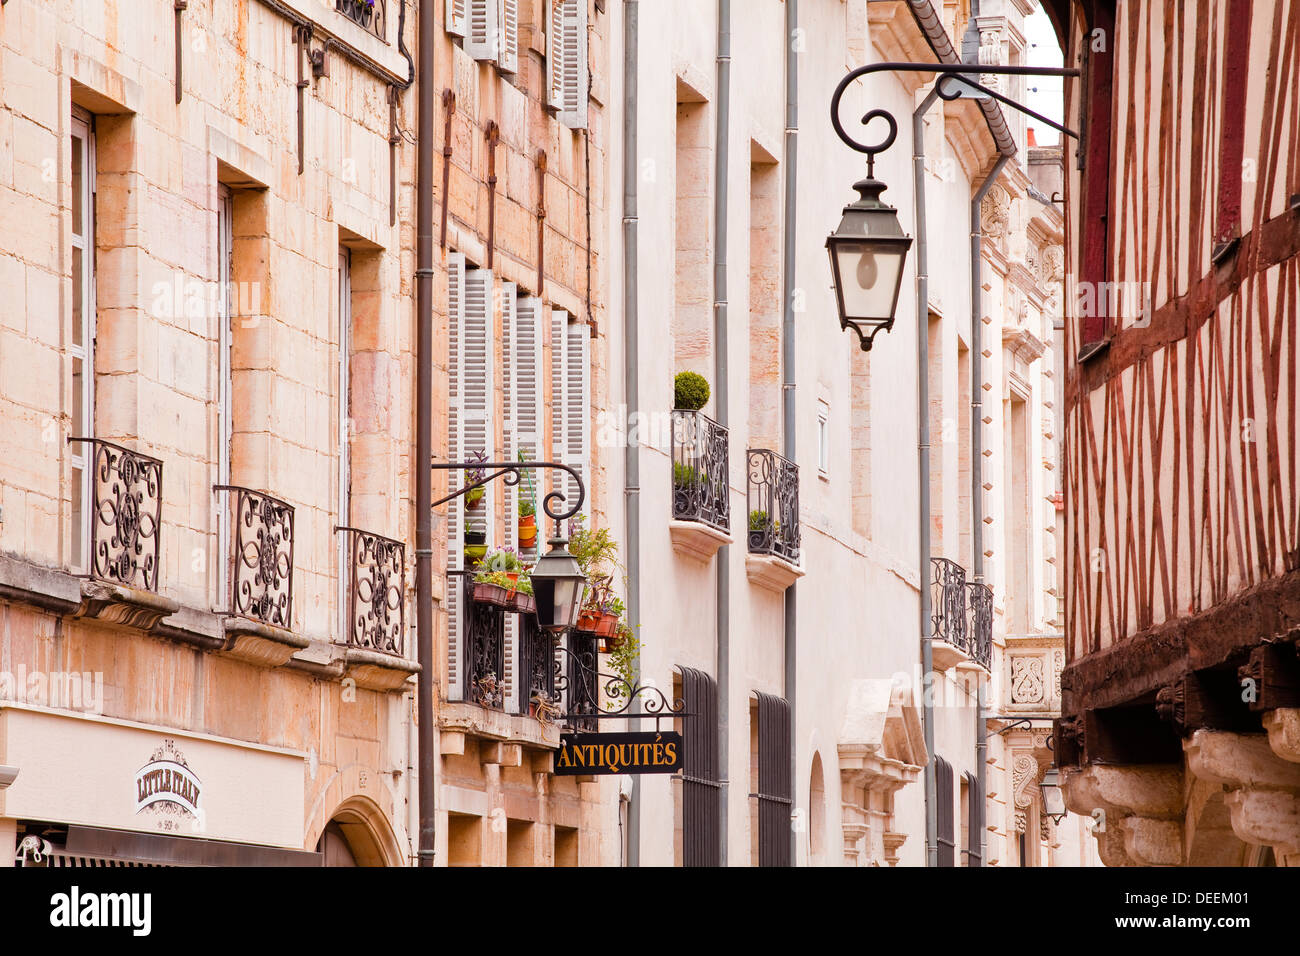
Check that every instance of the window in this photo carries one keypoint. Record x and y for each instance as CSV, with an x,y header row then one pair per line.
x,y
566,61
1232,137
225,332
1094,257
81,350
699,806
823,439
764,301
946,835
343,411
972,819
774,792
490,29
571,398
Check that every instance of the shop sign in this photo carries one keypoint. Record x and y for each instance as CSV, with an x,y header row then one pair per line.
x,y
649,752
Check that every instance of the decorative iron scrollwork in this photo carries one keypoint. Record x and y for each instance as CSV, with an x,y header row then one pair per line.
x,y
773,505
700,460
125,515
485,649
512,472
371,15
584,681
261,587
948,597
376,586
980,598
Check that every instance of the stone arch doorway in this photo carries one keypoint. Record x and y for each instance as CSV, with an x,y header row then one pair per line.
x,y
359,835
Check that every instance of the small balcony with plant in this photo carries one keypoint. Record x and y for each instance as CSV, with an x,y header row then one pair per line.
x,y
701,492
772,502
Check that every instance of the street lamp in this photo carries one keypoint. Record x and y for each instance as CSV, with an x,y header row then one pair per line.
x,y
868,250
1053,798
557,585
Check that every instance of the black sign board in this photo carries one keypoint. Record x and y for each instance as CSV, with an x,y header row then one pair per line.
x,y
650,752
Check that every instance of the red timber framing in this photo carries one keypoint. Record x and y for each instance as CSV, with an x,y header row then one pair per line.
x,y
1182,438
1098,46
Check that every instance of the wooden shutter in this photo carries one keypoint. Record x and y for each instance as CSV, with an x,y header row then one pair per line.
x,y
481,34
509,493
526,415
455,444
577,406
456,17
975,826
701,788
508,24
573,39
559,337
775,794
555,54
1094,205
946,836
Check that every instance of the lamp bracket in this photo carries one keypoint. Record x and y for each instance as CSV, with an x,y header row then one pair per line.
x,y
512,472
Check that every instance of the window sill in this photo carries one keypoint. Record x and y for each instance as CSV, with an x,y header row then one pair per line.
x,y
375,670
697,541
770,572
258,643
503,737
118,604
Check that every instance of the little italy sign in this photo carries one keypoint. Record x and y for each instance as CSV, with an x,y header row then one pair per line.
x,y
651,752
166,784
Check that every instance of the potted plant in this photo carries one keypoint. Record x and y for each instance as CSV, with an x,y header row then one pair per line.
x,y
505,582
492,587
624,650
475,473
527,524
611,615
475,543
685,477
690,391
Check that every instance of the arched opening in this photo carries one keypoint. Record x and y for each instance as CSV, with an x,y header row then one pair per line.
x,y
358,835
816,813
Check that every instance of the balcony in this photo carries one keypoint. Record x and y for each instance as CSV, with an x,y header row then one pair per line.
x,y
979,599
950,636
701,518
124,518
772,506
376,610
370,15
260,575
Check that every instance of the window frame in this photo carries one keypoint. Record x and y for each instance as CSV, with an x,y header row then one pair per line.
x,y
83,328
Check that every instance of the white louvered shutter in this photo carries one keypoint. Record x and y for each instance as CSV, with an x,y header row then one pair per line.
x,y
559,382
526,367
509,493
555,54
456,17
455,444
577,407
573,109
508,22
481,34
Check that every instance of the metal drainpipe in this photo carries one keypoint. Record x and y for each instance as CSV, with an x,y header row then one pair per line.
x,y
977,469
923,467
788,365
720,371
631,374
422,469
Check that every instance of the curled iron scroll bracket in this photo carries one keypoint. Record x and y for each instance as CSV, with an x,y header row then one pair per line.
x,y
512,472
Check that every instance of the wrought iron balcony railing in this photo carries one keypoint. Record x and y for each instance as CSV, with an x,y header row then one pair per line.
x,y
948,603
581,682
980,601
376,570
371,15
700,488
773,505
483,629
261,579
125,512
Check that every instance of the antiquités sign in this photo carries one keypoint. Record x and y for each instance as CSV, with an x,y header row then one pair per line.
x,y
651,752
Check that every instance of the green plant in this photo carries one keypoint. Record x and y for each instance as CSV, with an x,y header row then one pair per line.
x,y
690,391
595,551
526,508
758,520
623,661
504,560
685,476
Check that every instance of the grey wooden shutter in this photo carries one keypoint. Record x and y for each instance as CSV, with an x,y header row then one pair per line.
x,y
775,794
509,493
946,838
577,407
508,28
573,108
555,54
975,818
701,787
526,415
455,446
481,40
456,17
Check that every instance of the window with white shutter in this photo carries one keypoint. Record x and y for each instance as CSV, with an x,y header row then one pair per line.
x,y
566,61
509,493
456,17
508,22
481,40
559,381
455,515
577,406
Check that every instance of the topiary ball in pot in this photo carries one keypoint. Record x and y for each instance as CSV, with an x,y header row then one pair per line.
x,y
690,391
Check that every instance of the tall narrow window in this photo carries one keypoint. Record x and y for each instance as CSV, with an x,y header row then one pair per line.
x,y
1097,109
699,808
81,348
823,439
764,301
343,411
1236,55
1018,539
571,399
972,819
946,834
692,317
225,335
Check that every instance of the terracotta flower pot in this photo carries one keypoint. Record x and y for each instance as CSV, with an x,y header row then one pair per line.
x,y
491,594
607,626
588,618
612,643
528,531
523,603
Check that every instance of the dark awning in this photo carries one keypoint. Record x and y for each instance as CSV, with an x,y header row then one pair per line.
x,y
160,850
